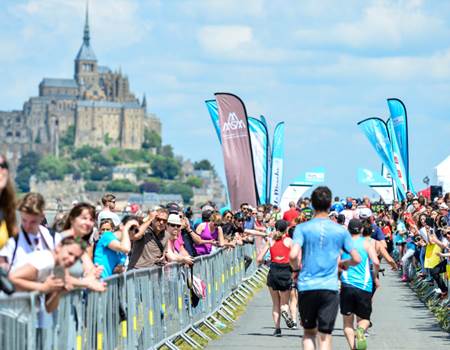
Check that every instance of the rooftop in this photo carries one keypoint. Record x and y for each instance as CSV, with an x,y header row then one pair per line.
x,y
56,82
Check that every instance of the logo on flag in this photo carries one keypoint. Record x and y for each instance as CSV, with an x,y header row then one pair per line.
x,y
233,123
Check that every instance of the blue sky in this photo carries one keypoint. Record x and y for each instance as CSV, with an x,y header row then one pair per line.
x,y
321,66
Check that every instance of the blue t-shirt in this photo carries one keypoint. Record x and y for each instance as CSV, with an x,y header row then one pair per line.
x,y
377,234
249,223
106,257
359,276
322,241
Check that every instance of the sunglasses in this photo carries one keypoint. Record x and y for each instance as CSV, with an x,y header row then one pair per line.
x,y
174,225
4,165
163,220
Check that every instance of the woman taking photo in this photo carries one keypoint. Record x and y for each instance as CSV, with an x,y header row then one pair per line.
x,y
208,235
279,279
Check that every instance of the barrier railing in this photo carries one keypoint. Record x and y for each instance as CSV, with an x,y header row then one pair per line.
x,y
141,309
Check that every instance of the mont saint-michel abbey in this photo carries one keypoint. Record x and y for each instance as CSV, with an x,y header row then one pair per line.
x,y
97,102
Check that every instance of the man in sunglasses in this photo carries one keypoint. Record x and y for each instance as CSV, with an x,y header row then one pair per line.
x,y
109,204
150,243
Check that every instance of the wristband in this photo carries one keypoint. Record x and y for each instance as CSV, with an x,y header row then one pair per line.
x,y
296,270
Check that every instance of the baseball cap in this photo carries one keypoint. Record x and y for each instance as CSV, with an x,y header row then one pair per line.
x,y
355,226
174,219
173,208
365,213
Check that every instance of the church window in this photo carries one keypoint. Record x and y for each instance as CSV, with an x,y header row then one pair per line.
x,y
9,134
17,119
17,133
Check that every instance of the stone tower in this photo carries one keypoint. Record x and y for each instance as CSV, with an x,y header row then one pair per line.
x,y
86,69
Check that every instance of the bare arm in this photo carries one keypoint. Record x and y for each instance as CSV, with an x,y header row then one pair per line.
x,y
24,279
295,257
124,245
381,250
374,258
262,253
255,232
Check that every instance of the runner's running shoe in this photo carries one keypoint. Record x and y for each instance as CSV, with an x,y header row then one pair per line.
x,y
287,319
360,339
277,332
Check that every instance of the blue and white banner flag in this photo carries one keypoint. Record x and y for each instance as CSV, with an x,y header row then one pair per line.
x,y
397,158
400,131
276,177
259,138
371,178
214,114
376,131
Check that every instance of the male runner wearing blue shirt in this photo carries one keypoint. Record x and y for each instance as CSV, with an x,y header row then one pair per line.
x,y
317,247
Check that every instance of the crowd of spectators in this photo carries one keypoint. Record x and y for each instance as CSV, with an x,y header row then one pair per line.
x,y
86,245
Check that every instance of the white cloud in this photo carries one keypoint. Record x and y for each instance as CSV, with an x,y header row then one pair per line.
x,y
220,9
238,43
113,23
382,25
225,39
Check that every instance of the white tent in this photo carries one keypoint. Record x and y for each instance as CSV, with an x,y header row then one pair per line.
x,y
442,172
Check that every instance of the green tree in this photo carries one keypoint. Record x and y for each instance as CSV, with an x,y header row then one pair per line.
x,y
150,186
107,139
23,180
122,185
194,181
151,139
180,188
101,160
100,174
204,164
52,168
68,139
166,151
85,151
166,168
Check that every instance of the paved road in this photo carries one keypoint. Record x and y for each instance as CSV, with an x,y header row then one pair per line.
x,y
400,322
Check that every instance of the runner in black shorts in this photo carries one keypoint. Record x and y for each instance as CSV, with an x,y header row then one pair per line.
x,y
356,288
279,278
317,246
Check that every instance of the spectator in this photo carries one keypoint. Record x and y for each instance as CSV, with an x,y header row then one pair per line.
x,y
113,246
7,203
175,246
149,247
32,236
109,204
45,271
80,224
208,235
291,214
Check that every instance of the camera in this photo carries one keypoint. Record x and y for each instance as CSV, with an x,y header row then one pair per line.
x,y
6,285
134,229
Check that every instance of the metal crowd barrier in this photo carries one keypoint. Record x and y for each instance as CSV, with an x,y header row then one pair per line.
x,y
141,309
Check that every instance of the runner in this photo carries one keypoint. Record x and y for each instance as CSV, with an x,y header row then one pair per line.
x,y
317,247
356,288
279,278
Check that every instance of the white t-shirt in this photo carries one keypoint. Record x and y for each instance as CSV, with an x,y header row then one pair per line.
x,y
41,241
42,261
423,234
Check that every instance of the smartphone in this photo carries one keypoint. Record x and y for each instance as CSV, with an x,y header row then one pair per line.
x,y
59,272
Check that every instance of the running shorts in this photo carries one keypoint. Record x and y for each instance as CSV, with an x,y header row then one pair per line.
x,y
356,301
279,277
318,309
